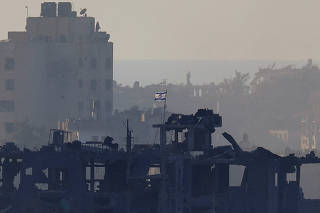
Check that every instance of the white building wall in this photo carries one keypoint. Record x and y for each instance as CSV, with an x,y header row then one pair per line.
x,y
62,70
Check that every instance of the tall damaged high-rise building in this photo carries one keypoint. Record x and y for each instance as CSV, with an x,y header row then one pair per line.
x,y
60,67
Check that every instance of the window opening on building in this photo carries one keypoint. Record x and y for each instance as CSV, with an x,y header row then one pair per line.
x,y
9,84
93,84
6,106
9,64
93,63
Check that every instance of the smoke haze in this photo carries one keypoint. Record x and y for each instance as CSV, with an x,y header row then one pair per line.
x,y
196,30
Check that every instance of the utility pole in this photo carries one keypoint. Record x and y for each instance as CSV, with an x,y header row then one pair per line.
x,y
129,138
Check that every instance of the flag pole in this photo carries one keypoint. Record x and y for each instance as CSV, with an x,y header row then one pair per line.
x,y
164,108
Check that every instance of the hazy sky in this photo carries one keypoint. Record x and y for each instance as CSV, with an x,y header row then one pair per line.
x,y
199,30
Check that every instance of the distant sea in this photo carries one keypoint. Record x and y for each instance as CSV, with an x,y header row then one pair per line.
x,y
155,71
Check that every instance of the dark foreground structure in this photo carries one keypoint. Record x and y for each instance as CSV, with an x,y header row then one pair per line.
x,y
182,174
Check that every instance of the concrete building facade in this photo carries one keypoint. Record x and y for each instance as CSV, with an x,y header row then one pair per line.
x,y
60,68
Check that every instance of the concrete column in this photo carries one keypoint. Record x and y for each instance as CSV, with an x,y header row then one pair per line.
x,y
92,175
163,138
298,174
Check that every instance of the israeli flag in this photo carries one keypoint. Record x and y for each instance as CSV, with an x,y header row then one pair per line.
x,y
160,96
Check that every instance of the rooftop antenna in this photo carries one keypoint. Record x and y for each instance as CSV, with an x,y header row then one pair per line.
x,y
27,10
83,12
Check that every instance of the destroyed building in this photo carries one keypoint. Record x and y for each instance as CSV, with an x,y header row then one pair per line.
x,y
140,120
60,67
183,173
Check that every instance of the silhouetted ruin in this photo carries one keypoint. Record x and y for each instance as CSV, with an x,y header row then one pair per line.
x,y
184,173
